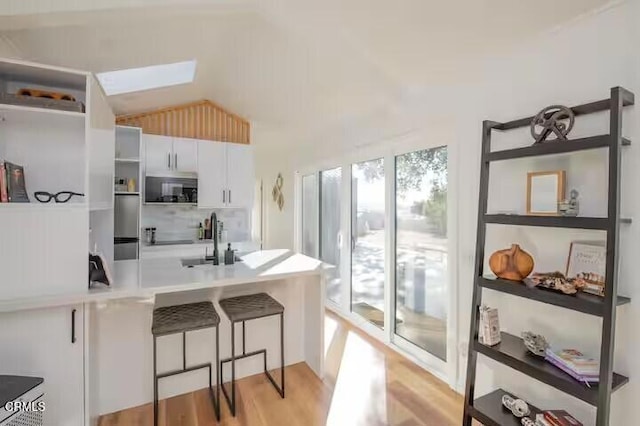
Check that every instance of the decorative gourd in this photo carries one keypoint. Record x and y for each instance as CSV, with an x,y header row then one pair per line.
x,y
511,264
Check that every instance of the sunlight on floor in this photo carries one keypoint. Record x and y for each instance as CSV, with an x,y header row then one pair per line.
x,y
359,396
330,329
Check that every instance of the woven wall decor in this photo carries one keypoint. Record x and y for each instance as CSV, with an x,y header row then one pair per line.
x,y
278,196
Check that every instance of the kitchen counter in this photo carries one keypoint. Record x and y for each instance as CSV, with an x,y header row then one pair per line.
x,y
116,322
143,279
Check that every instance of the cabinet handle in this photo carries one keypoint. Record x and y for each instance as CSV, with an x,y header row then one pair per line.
x,y
229,196
175,163
169,160
73,326
224,196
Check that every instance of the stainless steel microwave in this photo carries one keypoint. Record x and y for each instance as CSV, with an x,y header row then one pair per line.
x,y
170,190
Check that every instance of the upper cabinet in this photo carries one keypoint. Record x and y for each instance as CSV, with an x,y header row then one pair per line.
x,y
185,155
158,153
225,175
166,155
240,175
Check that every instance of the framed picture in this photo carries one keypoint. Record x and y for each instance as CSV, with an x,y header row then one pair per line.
x,y
588,262
544,191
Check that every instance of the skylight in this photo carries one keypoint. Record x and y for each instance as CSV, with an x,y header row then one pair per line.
x,y
146,78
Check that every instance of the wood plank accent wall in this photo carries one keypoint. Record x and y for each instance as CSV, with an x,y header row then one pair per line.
x,y
198,120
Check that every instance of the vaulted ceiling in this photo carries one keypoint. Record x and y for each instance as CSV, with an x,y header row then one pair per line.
x,y
296,63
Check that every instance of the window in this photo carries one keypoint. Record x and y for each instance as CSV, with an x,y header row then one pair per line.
x,y
146,78
330,223
421,249
309,215
368,240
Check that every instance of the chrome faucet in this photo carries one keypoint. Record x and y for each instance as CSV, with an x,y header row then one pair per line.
x,y
214,236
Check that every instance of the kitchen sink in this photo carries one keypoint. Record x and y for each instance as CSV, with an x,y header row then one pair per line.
x,y
190,262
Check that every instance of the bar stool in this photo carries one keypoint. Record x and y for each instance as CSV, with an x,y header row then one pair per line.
x,y
242,309
181,319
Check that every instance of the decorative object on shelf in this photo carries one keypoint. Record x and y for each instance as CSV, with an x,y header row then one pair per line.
x,y
15,182
489,331
277,194
554,281
59,197
511,264
573,362
535,343
31,101
518,407
570,207
98,270
554,119
587,264
545,190
37,93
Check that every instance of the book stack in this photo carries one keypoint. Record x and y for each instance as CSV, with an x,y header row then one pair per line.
x,y
556,418
575,364
12,184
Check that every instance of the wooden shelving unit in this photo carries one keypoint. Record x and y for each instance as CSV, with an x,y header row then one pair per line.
x,y
511,351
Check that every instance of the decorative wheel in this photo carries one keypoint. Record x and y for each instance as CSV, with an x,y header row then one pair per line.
x,y
554,119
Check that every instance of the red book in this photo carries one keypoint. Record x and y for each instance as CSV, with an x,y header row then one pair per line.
x,y
560,418
3,184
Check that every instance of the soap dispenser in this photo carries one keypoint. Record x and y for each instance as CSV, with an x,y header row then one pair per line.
x,y
229,258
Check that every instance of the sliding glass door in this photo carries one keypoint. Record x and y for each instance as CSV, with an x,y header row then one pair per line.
x,y
368,240
421,298
330,236
383,232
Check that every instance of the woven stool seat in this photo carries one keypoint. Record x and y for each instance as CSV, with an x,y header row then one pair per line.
x,y
181,318
252,306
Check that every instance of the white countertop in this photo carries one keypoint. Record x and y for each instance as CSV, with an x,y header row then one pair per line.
x,y
142,279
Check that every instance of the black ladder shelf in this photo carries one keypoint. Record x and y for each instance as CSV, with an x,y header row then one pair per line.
x,y
511,352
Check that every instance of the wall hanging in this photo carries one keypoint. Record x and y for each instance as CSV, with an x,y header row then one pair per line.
x,y
277,194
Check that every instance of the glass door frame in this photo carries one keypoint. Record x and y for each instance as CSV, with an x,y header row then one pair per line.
x,y
388,150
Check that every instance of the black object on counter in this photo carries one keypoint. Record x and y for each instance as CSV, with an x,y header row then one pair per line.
x,y
229,257
214,225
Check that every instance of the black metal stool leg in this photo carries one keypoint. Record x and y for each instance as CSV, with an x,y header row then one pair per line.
x,y
155,385
217,373
282,352
233,369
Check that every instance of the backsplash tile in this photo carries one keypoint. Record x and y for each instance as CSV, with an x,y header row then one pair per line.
x,y
174,222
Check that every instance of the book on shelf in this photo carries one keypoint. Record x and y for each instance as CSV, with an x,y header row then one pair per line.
x,y
4,198
15,183
575,360
579,377
560,418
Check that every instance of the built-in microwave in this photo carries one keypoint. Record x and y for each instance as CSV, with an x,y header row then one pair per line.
x,y
166,190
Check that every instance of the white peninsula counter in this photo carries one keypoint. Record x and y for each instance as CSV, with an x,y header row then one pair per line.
x,y
121,320
114,326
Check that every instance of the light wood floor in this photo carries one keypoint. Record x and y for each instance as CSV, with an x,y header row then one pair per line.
x,y
366,384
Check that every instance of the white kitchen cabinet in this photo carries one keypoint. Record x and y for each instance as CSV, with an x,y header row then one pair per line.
x,y
158,154
185,155
39,343
212,174
225,175
240,175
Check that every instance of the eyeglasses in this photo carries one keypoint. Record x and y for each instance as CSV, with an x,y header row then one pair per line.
x,y
60,197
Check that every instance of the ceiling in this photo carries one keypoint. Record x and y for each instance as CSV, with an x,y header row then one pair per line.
x,y
289,63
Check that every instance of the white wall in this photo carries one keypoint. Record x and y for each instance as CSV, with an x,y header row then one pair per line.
x,y
574,64
271,158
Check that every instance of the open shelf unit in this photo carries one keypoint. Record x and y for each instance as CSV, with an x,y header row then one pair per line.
x,y
511,351
60,151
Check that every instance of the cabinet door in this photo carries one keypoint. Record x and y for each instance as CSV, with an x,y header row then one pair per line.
x,y
240,175
38,343
185,155
158,154
212,174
